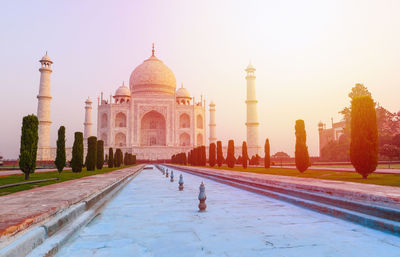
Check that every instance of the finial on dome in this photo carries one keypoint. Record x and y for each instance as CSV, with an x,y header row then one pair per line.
x,y
182,85
152,51
123,83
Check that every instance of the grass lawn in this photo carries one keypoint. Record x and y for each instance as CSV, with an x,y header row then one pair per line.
x,y
377,179
64,176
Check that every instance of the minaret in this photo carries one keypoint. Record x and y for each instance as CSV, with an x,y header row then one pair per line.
x,y
252,115
43,110
87,132
212,124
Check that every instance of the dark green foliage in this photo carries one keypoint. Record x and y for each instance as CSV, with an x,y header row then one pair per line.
x,y
267,158
364,135
255,160
77,153
110,162
203,160
220,156
212,154
29,142
100,155
239,160
230,157
301,152
126,158
179,158
61,160
244,156
91,159
118,158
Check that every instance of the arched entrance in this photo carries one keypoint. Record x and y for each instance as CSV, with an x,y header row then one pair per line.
x,y
153,129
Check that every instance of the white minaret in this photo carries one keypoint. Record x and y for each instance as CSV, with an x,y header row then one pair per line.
x,y
252,115
87,132
212,124
43,111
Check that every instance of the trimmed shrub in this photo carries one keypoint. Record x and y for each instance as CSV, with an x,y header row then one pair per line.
x,y
100,155
118,158
301,151
203,156
61,158
220,156
77,153
91,153
110,162
267,158
212,155
230,157
364,135
244,156
29,142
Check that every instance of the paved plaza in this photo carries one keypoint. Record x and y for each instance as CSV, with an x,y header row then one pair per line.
x,y
150,217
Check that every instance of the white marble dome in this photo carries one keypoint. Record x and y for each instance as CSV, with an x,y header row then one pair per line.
x,y
152,76
123,91
182,93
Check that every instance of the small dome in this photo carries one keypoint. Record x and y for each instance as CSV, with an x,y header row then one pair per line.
x,y
182,93
123,91
250,67
46,58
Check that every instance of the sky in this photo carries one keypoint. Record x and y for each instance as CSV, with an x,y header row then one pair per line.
x,y
308,56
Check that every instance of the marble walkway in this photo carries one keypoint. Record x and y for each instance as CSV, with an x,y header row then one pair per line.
x,y
150,217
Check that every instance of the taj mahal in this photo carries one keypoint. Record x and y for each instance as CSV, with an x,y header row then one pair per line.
x,y
151,118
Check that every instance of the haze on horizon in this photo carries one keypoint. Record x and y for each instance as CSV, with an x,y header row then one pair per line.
x,y
308,56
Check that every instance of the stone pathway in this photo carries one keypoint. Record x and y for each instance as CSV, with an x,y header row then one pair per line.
x,y
23,209
150,217
341,169
379,195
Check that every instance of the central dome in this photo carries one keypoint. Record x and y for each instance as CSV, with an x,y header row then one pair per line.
x,y
152,76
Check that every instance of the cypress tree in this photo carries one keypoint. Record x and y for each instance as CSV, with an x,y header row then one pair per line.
x,y
364,135
61,159
118,158
100,154
267,158
245,157
110,162
77,153
301,151
91,153
230,157
203,155
29,142
220,157
212,155
133,159
126,159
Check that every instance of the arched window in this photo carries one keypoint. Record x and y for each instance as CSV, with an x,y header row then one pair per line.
x,y
104,120
120,139
120,120
184,121
199,139
184,139
199,120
